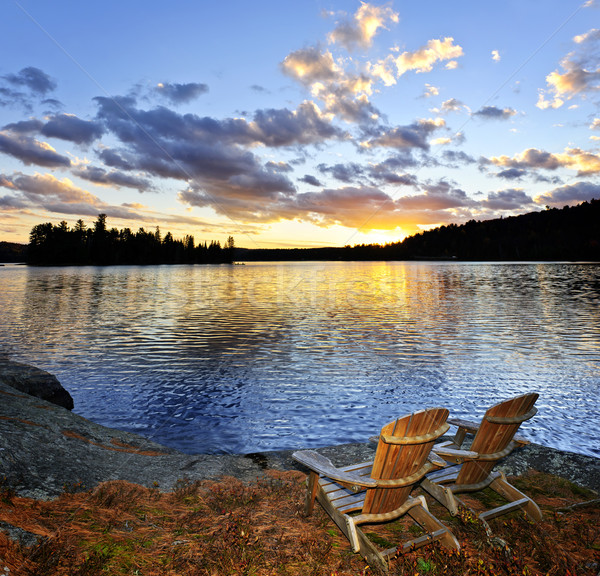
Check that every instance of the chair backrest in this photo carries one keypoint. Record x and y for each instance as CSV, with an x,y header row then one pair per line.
x,y
402,452
498,428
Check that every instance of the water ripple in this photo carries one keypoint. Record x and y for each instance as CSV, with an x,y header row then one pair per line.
x,y
285,355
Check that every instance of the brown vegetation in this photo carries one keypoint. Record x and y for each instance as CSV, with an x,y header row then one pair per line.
x,y
227,527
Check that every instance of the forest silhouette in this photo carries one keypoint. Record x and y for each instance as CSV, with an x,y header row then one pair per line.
x,y
571,234
51,244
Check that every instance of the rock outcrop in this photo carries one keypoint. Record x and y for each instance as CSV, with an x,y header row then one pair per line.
x,y
35,382
46,449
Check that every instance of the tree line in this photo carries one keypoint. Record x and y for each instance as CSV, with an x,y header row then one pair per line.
x,y
571,233
51,244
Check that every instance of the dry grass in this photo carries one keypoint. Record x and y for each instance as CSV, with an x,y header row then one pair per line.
x,y
227,527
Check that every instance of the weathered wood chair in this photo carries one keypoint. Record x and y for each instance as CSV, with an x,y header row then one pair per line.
x,y
473,470
379,491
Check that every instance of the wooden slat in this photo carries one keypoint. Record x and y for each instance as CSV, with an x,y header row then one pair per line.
x,y
492,437
510,507
445,475
399,461
321,464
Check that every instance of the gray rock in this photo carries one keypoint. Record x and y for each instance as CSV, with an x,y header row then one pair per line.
x,y
35,382
19,535
46,449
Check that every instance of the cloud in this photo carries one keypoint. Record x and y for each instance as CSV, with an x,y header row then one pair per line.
x,y
412,136
279,167
166,129
439,196
10,203
70,127
248,197
181,93
572,158
349,206
367,207
390,172
37,81
512,174
212,156
114,178
310,180
53,103
511,199
389,69
457,158
570,194
116,159
494,113
431,91
31,126
400,160
580,75
46,189
425,58
282,127
360,31
344,95
258,88
344,172
450,105
23,88
496,56
361,207
31,151
310,65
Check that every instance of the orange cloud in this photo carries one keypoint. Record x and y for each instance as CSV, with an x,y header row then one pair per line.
x,y
572,158
422,60
580,76
368,19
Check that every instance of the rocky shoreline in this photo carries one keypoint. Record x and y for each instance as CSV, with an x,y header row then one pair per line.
x,y
46,449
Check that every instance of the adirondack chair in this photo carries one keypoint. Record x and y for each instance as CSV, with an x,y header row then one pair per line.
x,y
379,491
473,468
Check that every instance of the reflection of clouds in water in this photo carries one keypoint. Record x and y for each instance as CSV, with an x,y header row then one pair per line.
x,y
269,356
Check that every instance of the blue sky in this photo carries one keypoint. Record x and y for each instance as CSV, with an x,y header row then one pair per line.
x,y
295,124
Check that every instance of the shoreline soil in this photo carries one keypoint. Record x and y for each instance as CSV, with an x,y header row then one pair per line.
x,y
46,449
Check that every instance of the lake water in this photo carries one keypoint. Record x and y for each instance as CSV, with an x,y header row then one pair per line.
x,y
268,356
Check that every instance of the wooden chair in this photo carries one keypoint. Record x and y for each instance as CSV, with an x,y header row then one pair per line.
x,y
379,491
494,439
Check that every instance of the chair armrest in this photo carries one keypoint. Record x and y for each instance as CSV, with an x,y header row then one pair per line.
x,y
324,467
453,455
520,440
436,460
465,424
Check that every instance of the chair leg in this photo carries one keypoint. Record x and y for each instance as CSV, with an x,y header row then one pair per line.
x,y
442,494
375,559
312,485
434,527
502,487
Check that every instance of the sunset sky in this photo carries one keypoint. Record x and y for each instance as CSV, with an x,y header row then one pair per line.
x,y
284,124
